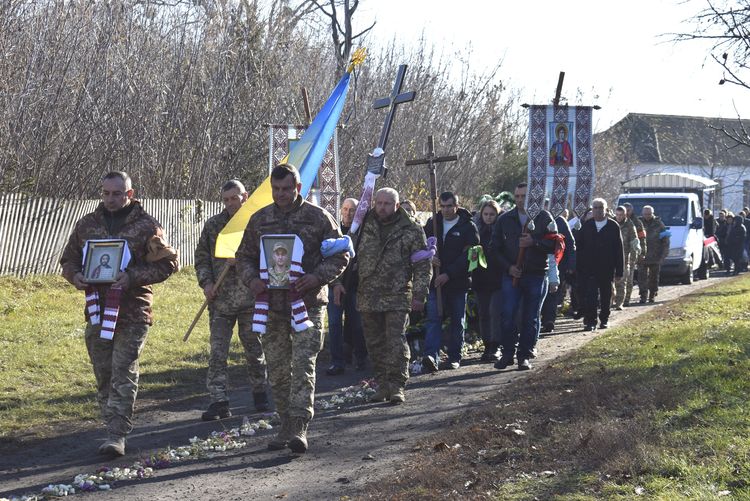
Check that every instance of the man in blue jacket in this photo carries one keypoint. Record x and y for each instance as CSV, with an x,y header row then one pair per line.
x,y
527,296
456,233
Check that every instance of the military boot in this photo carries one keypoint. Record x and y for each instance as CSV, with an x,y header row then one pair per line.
x,y
382,394
281,440
217,410
113,446
397,396
260,400
298,440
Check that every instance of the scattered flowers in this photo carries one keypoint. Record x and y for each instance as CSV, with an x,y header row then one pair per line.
x,y
415,367
357,394
104,478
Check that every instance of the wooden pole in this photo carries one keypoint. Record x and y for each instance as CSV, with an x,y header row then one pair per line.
x,y
221,278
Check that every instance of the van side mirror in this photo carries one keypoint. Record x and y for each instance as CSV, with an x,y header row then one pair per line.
x,y
697,224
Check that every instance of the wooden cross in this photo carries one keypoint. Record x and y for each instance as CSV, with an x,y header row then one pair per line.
x,y
430,160
392,102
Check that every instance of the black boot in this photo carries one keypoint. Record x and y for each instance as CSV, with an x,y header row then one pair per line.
x,y
260,399
217,410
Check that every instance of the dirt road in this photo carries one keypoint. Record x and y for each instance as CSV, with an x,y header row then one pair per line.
x,y
349,447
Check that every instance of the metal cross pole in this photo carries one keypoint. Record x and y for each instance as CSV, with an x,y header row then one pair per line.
x,y
392,101
430,160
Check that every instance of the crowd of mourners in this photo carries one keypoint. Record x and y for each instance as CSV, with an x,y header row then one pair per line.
x,y
297,270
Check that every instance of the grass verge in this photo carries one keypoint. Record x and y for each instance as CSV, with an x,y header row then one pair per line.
x,y
657,408
46,382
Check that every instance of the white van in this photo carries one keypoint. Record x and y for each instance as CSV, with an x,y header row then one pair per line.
x,y
678,200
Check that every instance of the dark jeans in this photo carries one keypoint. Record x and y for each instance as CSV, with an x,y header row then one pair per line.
x,y
345,326
454,307
597,293
490,309
528,296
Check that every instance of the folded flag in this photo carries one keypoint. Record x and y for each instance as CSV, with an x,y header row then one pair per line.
x,y
333,246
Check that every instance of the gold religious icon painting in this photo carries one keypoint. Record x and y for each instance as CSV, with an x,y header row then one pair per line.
x,y
102,261
276,258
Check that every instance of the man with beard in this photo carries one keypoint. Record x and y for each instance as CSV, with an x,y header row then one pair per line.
x,y
391,283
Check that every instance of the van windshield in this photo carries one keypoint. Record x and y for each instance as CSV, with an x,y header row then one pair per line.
x,y
672,211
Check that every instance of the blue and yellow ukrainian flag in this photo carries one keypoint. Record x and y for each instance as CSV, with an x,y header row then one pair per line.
x,y
305,154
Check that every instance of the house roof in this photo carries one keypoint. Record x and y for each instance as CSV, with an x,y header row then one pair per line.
x,y
676,140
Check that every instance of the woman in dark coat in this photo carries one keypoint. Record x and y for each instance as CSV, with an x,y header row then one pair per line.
x,y
486,284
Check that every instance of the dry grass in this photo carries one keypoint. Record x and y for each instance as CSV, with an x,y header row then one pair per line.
x,y
652,406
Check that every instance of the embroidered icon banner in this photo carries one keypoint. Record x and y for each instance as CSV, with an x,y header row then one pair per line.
x,y
560,150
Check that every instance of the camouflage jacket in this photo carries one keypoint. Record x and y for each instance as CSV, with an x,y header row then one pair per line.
x,y
387,277
233,295
628,233
139,227
657,247
312,225
640,232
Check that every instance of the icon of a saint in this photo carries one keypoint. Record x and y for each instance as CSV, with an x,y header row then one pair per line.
x,y
561,154
104,270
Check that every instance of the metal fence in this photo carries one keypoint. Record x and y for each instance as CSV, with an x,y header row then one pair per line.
x,y
34,231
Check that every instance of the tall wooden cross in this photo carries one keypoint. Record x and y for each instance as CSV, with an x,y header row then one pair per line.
x,y
430,160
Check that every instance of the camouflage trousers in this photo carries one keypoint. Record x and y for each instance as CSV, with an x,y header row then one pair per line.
x,y
115,365
648,279
221,325
624,285
291,360
386,343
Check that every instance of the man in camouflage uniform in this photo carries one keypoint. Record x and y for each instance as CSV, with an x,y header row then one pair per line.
x,y
229,304
291,355
389,286
631,247
115,361
657,248
634,256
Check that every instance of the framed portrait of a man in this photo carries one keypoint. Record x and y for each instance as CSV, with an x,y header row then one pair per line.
x,y
276,257
102,260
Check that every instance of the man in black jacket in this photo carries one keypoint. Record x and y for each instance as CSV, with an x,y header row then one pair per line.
x,y
599,261
528,295
456,233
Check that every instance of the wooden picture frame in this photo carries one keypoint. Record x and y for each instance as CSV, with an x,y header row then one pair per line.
x,y
103,260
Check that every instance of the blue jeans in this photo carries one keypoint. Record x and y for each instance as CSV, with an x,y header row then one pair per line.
x,y
454,306
527,297
345,325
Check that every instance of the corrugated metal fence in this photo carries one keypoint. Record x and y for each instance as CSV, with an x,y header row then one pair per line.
x,y
33,231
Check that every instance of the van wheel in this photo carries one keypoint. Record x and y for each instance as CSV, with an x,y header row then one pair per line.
x,y
687,278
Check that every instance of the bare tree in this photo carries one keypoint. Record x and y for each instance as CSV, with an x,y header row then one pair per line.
x,y
725,25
